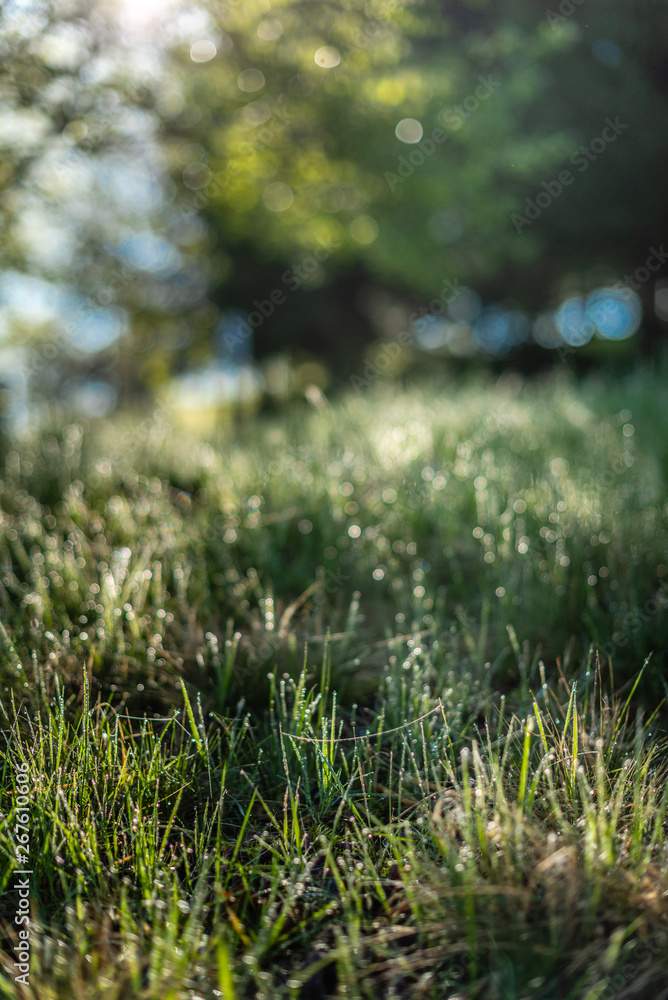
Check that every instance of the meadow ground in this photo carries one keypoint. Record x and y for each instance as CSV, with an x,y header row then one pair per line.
x,y
365,700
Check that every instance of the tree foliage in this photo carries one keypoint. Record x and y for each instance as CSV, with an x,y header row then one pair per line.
x,y
159,171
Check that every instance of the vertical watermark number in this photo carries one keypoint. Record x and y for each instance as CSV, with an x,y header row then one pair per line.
x,y
22,884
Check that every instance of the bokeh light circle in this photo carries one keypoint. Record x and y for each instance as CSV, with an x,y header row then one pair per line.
x,y
573,323
327,57
250,80
491,331
278,196
431,332
545,332
203,50
409,130
607,52
196,175
615,312
364,230
270,29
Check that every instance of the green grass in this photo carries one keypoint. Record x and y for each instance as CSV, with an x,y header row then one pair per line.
x,y
366,700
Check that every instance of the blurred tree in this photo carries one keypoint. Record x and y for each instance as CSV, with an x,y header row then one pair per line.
x,y
411,138
333,137
94,261
160,171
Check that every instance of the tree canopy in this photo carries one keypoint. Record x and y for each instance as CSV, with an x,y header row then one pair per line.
x,y
171,171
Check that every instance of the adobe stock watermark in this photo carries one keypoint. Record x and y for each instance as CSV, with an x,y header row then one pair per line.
x,y
293,279
580,158
630,283
655,261
214,185
267,131
407,165
375,24
22,885
263,136
388,353
640,960
331,582
454,116
565,9
437,307
457,114
634,620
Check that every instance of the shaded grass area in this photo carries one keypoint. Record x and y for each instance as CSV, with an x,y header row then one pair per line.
x,y
366,701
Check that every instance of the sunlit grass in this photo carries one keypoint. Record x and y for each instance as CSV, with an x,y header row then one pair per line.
x,y
367,699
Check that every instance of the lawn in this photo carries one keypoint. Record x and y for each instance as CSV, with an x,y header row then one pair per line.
x,y
363,699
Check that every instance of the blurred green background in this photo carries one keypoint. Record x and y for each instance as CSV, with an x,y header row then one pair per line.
x,y
217,205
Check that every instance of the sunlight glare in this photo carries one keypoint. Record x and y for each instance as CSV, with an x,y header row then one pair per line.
x,y
143,13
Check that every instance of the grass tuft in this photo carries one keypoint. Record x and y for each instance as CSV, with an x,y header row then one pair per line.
x,y
369,701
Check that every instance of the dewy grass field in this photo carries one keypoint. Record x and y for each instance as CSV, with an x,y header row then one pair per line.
x,y
367,701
